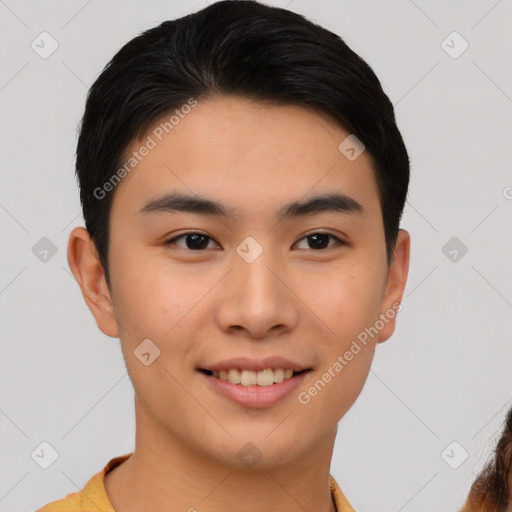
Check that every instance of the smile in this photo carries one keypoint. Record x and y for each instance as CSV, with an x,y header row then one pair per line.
x,y
266,377
255,389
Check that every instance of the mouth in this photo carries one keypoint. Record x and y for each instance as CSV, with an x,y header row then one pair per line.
x,y
257,388
262,378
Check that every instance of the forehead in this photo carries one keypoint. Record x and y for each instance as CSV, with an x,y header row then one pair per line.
x,y
245,154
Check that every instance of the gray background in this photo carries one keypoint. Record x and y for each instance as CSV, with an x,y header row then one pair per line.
x,y
445,374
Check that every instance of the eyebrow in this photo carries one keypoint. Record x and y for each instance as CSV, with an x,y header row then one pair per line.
x,y
179,202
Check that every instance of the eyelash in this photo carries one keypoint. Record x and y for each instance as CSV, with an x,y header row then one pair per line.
x,y
183,235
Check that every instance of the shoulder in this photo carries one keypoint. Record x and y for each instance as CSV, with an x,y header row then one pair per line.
x,y
91,498
71,503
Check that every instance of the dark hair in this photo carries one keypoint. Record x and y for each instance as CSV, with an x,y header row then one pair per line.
x,y
492,489
234,47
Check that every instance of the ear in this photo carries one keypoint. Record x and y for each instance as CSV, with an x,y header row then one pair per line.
x,y
85,265
397,278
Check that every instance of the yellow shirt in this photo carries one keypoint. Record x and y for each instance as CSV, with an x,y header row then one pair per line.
x,y
93,497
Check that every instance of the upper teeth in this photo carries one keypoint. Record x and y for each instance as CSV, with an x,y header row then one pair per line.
x,y
265,377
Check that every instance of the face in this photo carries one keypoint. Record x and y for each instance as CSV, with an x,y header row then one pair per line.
x,y
248,284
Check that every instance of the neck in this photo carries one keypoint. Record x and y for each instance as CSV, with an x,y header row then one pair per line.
x,y
164,473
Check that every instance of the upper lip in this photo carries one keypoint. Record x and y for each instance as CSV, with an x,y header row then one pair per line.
x,y
256,365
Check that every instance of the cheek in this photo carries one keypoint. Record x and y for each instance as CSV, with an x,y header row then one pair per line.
x,y
352,379
347,301
340,380
351,309
148,298
155,301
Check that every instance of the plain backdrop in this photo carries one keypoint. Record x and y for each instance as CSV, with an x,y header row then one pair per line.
x,y
438,391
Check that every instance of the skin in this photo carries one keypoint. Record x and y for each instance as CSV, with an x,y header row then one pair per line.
x,y
207,305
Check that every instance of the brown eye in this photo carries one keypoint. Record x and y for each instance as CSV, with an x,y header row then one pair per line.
x,y
320,241
193,241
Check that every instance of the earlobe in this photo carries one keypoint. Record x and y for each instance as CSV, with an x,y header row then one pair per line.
x,y
85,266
397,279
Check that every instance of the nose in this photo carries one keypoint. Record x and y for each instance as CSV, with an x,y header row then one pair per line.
x,y
256,300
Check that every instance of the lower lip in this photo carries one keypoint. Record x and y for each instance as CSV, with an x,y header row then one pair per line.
x,y
256,396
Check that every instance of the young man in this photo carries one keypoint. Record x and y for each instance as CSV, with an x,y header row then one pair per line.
x,y
242,181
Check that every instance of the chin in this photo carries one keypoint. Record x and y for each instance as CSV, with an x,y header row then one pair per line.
x,y
258,450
